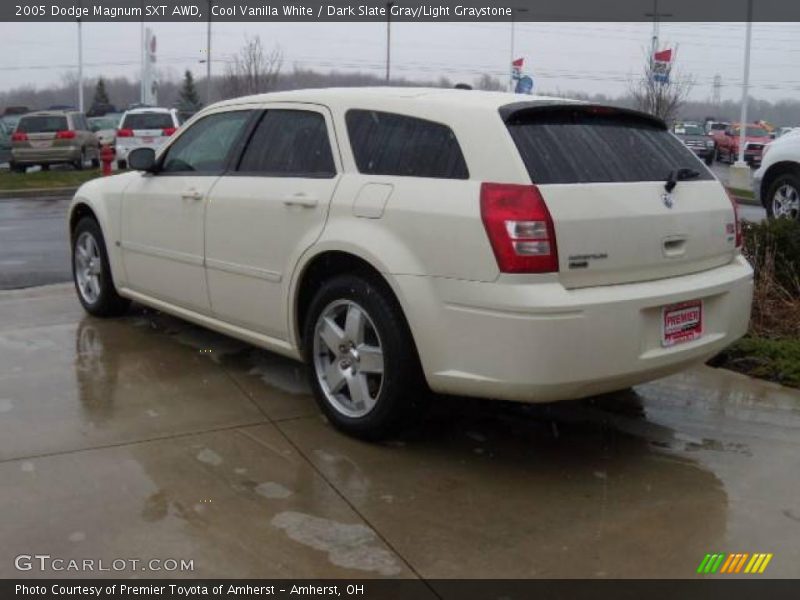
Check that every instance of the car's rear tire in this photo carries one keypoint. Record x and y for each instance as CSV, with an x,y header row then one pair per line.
x,y
91,272
122,165
45,167
17,168
81,162
783,197
363,364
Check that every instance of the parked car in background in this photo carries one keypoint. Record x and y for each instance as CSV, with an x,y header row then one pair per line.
x,y
52,137
726,144
370,233
105,128
694,137
12,115
144,128
714,127
776,183
5,142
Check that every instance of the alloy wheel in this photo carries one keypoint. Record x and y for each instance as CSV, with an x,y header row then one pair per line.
x,y
786,202
348,358
88,267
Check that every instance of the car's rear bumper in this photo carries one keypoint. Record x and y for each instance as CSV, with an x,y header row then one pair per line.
x,y
542,342
37,156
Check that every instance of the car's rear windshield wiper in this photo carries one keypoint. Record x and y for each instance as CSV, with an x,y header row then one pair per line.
x,y
682,174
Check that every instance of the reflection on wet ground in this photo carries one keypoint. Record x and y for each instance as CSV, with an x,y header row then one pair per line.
x,y
147,437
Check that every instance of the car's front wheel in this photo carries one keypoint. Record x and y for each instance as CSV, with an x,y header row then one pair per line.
x,y
92,273
783,197
364,368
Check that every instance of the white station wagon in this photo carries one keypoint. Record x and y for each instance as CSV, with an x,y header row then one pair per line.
x,y
399,240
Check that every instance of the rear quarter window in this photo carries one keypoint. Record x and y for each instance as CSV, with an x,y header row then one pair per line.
x,y
390,144
577,145
42,124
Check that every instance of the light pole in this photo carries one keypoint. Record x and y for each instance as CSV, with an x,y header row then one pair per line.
x,y
745,85
208,56
80,66
511,58
389,6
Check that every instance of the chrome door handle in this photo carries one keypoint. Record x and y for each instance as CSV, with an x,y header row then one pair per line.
x,y
301,200
191,194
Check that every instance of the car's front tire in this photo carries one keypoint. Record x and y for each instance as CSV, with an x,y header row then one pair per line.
x,y
92,274
783,197
364,369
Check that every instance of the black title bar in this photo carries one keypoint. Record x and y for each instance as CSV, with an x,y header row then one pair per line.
x,y
399,10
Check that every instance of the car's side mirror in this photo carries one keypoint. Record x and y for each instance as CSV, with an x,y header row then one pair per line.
x,y
142,159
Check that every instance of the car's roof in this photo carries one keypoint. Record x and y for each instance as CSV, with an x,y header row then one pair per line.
x,y
393,95
48,113
148,109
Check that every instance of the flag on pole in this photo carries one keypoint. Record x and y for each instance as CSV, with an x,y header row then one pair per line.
x,y
662,64
516,68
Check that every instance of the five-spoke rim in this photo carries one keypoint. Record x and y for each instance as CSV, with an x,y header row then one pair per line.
x,y
88,267
348,358
786,202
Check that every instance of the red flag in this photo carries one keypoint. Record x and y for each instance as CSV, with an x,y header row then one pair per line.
x,y
517,64
664,55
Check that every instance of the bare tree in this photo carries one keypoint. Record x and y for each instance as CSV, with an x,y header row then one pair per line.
x,y
662,99
251,71
489,83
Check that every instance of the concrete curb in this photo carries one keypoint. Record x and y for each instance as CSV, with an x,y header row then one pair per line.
x,y
38,192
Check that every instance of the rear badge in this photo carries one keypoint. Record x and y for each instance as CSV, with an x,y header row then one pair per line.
x,y
667,199
581,261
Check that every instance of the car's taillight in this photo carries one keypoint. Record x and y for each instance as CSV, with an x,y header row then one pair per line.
x,y
67,134
168,131
519,227
19,137
124,132
737,222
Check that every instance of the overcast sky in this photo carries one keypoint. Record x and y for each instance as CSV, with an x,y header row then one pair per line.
x,y
588,57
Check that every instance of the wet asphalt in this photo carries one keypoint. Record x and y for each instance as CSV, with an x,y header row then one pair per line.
x,y
34,245
148,437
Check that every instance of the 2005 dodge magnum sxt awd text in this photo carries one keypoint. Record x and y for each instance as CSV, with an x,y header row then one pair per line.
x,y
476,243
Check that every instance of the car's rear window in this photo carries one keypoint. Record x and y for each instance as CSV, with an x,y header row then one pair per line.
x,y
391,144
42,124
586,145
148,121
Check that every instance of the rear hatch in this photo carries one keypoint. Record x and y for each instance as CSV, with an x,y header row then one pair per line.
x,y
603,174
146,129
42,132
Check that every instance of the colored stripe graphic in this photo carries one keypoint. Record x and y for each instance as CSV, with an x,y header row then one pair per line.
x,y
703,563
765,563
737,562
717,563
727,564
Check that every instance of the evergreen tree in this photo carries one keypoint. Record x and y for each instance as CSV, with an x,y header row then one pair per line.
x,y
188,100
100,93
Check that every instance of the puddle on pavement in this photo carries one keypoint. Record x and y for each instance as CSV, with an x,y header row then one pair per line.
x,y
680,467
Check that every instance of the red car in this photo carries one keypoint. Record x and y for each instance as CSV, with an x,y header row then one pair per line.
x,y
726,144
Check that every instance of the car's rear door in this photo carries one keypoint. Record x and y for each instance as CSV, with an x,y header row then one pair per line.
x,y
603,174
266,212
163,214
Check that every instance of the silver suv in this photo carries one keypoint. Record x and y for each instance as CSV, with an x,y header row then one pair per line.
x,y
53,137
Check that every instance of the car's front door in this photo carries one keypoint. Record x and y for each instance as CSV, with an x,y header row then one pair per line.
x,y
163,213
266,212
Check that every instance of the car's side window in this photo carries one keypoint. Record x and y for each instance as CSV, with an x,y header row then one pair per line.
x,y
391,144
205,146
289,143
